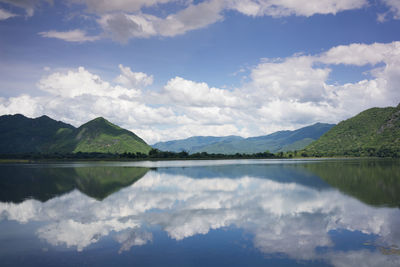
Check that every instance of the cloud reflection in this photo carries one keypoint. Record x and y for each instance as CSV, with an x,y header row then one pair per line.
x,y
288,218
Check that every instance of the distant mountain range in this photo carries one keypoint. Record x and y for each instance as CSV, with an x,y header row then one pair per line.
x,y
19,134
275,142
373,132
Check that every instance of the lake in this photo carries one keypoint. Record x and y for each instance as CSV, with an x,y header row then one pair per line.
x,y
201,213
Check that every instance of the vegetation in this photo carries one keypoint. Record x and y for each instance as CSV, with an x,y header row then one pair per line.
x,y
154,154
281,141
374,132
99,135
19,134
44,135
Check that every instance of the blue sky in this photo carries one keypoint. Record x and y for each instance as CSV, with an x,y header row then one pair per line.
x,y
169,69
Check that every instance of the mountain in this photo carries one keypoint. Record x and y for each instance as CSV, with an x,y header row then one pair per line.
x,y
275,142
194,144
19,134
99,135
373,132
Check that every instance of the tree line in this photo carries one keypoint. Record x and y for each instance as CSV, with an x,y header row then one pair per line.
x,y
153,154
156,154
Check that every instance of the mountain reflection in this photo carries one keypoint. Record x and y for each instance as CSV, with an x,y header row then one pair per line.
x,y
18,183
288,209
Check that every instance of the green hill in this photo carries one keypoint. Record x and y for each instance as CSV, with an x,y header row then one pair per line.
x,y
275,142
99,135
373,132
19,134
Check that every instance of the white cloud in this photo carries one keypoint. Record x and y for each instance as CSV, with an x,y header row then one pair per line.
x,y
296,89
190,93
394,7
294,78
70,36
81,82
191,18
133,79
382,89
282,8
361,54
275,8
4,14
23,104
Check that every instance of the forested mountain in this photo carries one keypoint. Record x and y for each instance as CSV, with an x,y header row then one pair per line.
x,y
19,134
373,132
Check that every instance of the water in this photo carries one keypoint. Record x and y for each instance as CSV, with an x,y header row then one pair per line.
x,y
201,213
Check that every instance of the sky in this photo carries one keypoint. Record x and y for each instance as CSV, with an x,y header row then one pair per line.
x,y
171,69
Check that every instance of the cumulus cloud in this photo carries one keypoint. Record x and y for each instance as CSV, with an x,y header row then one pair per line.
x,y
4,14
361,54
190,93
70,36
133,79
294,78
382,88
282,217
81,82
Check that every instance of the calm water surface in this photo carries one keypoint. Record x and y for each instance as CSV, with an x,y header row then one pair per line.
x,y
201,213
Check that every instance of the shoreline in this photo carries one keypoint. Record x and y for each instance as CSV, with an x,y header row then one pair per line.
x,y
44,160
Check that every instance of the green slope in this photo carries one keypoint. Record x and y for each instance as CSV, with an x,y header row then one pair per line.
x,y
373,132
99,135
19,134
